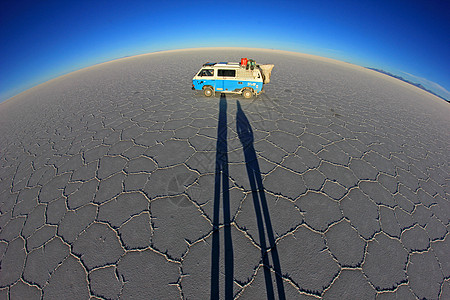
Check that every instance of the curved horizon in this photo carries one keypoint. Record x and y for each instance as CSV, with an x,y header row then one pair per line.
x,y
44,41
166,51
311,56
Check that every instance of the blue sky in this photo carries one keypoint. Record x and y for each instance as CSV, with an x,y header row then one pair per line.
x,y
41,40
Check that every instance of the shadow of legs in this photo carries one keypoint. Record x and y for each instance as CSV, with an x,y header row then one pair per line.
x,y
221,176
245,134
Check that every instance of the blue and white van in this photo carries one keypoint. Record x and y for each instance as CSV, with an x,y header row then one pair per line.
x,y
229,77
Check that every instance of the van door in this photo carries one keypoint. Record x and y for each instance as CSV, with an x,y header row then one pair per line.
x,y
226,82
207,78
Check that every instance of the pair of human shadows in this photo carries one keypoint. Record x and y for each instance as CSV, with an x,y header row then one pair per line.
x,y
264,223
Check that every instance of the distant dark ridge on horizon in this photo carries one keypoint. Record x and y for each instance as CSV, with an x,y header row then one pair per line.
x,y
410,82
217,48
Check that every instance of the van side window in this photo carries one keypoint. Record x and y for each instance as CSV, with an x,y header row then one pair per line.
x,y
226,73
206,72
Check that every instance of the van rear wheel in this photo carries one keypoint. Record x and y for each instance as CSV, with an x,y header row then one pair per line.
x,y
208,91
247,94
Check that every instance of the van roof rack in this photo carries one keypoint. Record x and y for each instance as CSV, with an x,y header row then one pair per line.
x,y
223,64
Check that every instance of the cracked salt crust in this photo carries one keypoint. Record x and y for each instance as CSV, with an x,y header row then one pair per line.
x,y
354,174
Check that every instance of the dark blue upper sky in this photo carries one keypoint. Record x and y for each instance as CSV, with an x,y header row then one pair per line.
x,y
41,40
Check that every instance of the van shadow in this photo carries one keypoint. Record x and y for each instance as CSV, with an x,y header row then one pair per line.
x,y
264,223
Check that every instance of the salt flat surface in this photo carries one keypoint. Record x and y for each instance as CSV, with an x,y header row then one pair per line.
x,y
118,181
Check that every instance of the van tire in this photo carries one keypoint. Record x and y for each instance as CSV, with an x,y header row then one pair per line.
x,y
247,94
208,92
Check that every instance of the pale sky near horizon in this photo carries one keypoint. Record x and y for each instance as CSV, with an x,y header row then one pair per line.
x,y
43,40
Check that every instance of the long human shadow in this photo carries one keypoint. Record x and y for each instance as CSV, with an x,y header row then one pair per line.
x,y
245,134
221,176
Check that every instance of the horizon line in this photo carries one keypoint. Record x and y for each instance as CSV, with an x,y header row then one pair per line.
x,y
311,56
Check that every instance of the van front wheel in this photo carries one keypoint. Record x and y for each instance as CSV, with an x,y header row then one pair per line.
x,y
247,94
208,91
